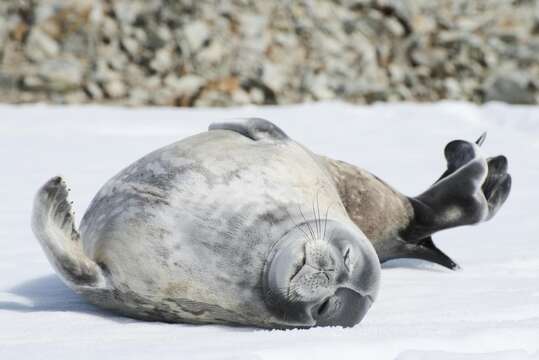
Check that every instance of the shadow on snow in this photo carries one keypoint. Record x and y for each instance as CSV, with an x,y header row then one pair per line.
x,y
49,294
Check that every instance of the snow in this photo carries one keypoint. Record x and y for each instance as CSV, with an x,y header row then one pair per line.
x,y
488,310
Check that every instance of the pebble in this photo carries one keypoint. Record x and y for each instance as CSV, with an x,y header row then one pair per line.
x,y
115,89
510,86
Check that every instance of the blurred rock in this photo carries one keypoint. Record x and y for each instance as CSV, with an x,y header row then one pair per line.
x,y
7,82
131,46
512,87
186,86
196,34
3,33
61,75
115,89
162,61
41,46
197,53
94,91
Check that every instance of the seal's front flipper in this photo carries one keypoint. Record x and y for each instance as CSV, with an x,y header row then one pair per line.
x,y
470,191
54,226
254,128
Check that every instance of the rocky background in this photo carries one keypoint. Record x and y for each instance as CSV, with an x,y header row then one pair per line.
x,y
221,53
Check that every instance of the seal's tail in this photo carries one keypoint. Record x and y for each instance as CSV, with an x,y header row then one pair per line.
x,y
53,224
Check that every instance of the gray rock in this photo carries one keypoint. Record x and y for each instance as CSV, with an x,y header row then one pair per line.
x,y
127,11
185,86
74,97
453,89
394,27
318,86
61,75
33,82
115,89
8,82
3,33
212,54
109,28
196,34
256,95
510,86
404,10
241,97
116,59
138,97
94,91
158,37
40,46
274,76
162,61
131,46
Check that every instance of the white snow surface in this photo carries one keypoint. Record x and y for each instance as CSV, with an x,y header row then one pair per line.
x,y
488,310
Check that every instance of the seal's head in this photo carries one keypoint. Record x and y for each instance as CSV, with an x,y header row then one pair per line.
x,y
321,275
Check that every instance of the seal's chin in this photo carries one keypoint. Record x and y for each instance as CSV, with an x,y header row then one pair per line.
x,y
323,281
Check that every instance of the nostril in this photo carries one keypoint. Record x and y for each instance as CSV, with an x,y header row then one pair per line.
x,y
322,309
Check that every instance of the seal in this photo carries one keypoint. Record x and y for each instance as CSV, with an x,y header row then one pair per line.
x,y
242,225
237,225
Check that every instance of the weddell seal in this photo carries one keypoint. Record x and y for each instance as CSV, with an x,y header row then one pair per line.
x,y
242,225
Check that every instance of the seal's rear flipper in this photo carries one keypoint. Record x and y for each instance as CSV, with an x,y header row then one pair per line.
x,y
425,249
54,226
470,191
253,128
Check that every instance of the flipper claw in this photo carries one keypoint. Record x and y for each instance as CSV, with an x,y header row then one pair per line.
x,y
481,139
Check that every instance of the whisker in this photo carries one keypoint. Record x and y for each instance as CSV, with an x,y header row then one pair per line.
x,y
296,225
319,217
306,223
315,221
326,220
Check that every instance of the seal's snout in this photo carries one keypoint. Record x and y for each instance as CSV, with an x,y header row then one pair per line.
x,y
328,280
